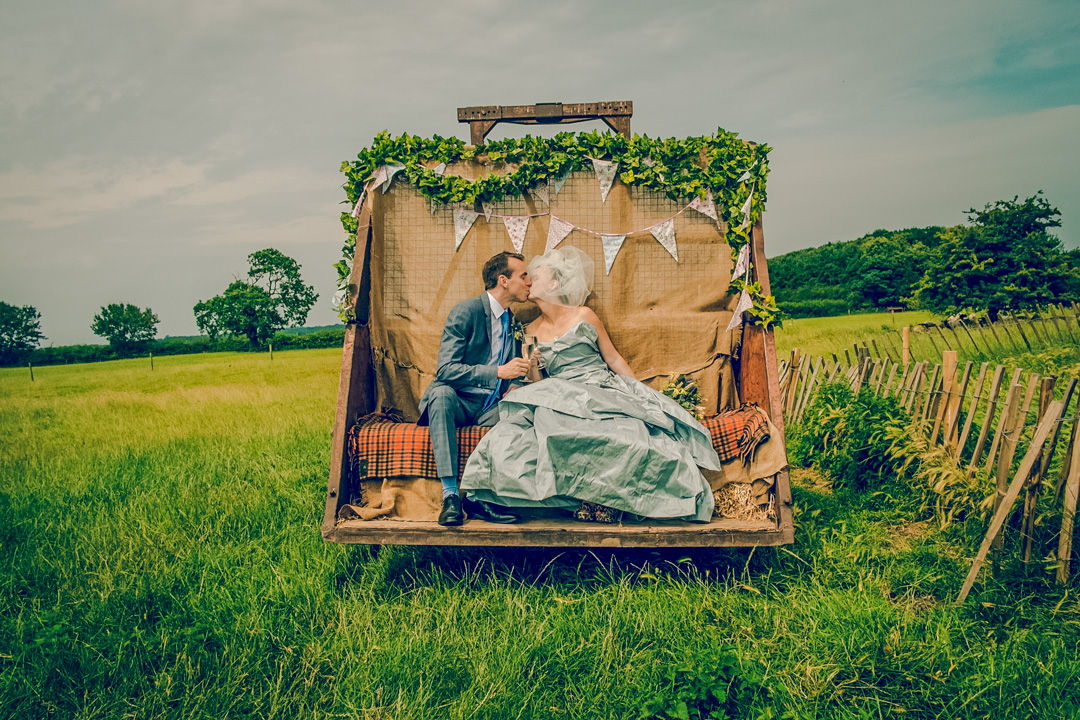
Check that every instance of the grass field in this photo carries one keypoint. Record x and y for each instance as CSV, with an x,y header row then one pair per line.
x,y
822,336
160,556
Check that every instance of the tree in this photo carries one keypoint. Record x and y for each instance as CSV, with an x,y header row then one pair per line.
x,y
20,332
273,297
127,328
888,267
1005,259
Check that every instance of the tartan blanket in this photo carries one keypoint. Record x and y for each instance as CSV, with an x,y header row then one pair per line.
x,y
381,446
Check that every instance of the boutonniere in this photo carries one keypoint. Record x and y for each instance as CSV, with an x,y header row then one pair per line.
x,y
516,329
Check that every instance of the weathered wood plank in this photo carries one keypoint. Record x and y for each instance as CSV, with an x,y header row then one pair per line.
x,y
552,532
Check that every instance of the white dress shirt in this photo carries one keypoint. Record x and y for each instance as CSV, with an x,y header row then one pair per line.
x,y
497,311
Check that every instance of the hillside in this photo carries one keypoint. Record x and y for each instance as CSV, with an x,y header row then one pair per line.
x,y
873,272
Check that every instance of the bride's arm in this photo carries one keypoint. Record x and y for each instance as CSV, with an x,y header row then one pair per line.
x,y
607,348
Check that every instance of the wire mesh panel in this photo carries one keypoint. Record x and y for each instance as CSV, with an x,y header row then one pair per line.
x,y
664,315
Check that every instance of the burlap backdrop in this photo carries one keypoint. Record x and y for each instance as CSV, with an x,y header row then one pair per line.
x,y
663,316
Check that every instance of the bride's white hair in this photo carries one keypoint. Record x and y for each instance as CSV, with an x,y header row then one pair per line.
x,y
563,276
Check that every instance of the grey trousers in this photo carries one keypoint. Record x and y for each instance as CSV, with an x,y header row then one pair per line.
x,y
446,412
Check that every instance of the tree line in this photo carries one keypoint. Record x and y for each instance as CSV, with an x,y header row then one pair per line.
x,y
250,312
1003,259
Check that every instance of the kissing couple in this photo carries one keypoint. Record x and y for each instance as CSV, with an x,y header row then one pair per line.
x,y
570,424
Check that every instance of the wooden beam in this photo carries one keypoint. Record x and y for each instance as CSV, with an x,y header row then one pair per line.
x,y
482,118
559,532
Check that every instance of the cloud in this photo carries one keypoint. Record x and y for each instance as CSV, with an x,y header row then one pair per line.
x,y
838,188
257,183
75,190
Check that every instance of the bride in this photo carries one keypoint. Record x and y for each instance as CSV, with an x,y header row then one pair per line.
x,y
588,432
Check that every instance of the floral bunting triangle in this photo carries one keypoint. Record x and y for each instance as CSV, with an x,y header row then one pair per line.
x,y
439,169
379,177
705,205
665,235
391,171
746,175
556,183
557,232
605,175
745,303
540,192
515,228
746,209
612,245
488,207
359,204
742,265
463,220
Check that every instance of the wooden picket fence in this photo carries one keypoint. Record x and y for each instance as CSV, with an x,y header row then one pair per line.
x,y
945,403
1053,325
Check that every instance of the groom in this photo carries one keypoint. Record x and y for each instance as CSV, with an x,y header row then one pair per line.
x,y
478,358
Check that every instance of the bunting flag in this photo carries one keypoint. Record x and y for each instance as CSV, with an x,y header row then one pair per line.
x,y
742,265
648,162
605,175
540,192
705,206
439,169
379,177
339,299
665,235
612,244
515,228
746,175
488,207
745,303
463,220
557,232
556,183
391,171
359,204
746,209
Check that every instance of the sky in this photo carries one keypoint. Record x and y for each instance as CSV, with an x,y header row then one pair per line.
x,y
147,148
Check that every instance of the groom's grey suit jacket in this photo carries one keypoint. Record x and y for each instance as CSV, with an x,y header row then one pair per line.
x,y
464,352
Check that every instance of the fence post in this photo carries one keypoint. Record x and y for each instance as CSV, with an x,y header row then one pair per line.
x,y
271,352
907,346
31,366
1005,506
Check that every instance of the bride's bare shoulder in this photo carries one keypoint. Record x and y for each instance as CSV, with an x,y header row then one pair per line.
x,y
586,313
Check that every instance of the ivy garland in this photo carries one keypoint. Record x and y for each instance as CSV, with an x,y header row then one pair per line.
x,y
678,168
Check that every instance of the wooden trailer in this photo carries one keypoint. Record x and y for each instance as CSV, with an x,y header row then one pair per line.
x,y
666,306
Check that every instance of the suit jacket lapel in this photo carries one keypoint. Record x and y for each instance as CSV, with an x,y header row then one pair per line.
x,y
485,302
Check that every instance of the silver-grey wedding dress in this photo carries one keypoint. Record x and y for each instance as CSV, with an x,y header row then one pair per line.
x,y
586,433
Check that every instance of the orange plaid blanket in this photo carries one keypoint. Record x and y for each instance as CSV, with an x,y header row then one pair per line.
x,y
381,446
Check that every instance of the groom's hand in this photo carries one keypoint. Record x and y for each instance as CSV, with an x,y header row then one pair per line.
x,y
516,368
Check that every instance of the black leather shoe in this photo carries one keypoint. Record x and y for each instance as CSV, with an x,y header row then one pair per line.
x,y
451,514
480,510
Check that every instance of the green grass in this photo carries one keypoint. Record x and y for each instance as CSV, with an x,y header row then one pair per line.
x,y
160,556
823,336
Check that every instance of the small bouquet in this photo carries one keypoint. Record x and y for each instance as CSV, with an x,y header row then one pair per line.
x,y
683,390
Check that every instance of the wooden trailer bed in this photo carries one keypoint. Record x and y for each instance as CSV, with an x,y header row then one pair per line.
x,y
753,367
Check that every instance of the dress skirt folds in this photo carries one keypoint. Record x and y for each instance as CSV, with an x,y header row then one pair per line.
x,y
587,434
